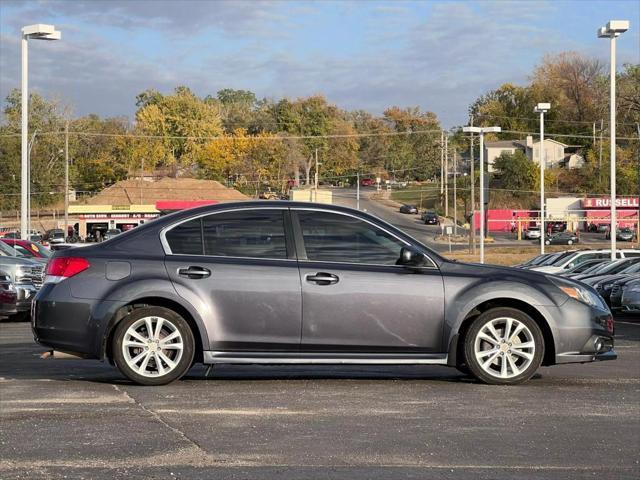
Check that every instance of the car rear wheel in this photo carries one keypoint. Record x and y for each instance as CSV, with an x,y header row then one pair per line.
x,y
570,242
153,346
504,346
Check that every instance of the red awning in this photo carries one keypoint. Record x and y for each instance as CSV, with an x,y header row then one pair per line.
x,y
173,205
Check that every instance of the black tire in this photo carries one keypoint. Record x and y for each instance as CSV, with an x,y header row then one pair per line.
x,y
469,346
19,317
188,352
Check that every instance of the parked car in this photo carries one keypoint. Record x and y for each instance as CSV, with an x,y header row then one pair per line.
x,y
407,208
631,297
603,227
581,267
267,194
532,233
112,233
29,249
562,238
430,218
272,283
55,235
367,182
26,276
572,258
623,235
604,283
8,296
617,290
557,227
549,260
608,268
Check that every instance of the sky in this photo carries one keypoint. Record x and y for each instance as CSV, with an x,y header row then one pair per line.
x,y
369,55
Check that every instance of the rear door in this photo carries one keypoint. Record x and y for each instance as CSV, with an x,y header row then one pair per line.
x,y
354,296
238,268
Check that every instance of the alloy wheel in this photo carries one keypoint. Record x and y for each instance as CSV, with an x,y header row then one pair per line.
x,y
504,347
152,346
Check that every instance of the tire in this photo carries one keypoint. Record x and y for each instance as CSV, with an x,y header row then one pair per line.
x,y
570,242
143,360
19,317
482,345
547,242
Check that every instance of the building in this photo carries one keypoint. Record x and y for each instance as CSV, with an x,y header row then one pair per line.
x,y
556,154
129,203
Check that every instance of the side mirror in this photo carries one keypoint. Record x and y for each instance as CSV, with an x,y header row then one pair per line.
x,y
410,257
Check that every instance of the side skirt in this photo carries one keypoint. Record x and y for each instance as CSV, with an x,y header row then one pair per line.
x,y
306,358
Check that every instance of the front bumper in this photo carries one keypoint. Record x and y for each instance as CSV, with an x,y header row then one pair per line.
x,y
25,293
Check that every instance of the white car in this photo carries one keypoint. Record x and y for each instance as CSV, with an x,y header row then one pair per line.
x,y
532,233
580,256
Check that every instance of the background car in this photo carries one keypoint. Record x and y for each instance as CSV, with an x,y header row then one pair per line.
x,y
28,249
367,182
112,232
557,226
608,268
631,297
617,290
25,274
603,227
430,218
8,296
623,235
55,235
408,208
562,238
532,233
582,267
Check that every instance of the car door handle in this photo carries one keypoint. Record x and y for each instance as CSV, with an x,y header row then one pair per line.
x,y
322,278
194,272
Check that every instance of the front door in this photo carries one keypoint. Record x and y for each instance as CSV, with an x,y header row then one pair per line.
x,y
354,296
238,269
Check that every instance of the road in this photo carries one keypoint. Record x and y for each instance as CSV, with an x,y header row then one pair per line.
x,y
81,419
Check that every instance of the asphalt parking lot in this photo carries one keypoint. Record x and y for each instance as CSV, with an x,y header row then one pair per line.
x,y
82,419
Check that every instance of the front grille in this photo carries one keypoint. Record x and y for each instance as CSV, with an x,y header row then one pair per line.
x,y
37,276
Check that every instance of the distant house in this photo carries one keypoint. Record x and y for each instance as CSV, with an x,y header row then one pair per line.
x,y
556,154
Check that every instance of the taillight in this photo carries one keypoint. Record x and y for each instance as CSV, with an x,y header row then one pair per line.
x,y
60,268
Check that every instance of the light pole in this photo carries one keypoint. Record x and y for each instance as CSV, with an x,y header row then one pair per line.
x,y
481,131
612,30
37,32
542,108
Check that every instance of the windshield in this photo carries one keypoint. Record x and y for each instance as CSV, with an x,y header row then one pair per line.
x,y
632,269
9,251
562,256
615,267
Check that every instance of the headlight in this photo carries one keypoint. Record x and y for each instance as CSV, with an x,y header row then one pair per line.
x,y
579,292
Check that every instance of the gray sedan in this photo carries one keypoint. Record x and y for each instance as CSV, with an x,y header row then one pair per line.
x,y
300,283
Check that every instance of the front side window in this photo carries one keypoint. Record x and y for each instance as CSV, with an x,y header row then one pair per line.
x,y
245,233
330,237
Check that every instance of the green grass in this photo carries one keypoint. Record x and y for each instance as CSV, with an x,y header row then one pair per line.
x,y
429,194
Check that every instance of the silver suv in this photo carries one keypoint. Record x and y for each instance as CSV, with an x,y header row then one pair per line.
x,y
25,274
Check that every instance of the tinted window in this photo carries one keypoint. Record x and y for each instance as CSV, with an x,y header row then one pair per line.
x,y
186,238
245,233
330,237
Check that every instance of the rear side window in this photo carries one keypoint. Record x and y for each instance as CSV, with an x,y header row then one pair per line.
x,y
186,238
245,233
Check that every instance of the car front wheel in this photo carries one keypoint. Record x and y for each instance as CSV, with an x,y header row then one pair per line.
x,y
153,346
504,346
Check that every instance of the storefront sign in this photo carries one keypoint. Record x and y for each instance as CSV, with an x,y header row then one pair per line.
x,y
621,202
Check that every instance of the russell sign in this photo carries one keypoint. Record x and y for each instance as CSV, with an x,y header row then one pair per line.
x,y
621,202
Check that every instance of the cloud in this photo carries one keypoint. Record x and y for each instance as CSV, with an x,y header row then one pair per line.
x,y
440,56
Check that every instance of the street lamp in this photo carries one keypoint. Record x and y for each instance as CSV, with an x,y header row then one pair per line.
x,y
36,32
542,108
612,30
481,131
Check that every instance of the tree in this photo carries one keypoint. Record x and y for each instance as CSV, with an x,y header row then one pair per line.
x,y
517,173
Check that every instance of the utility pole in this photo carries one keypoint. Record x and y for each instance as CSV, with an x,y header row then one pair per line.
x,y
600,160
455,191
473,196
446,175
316,172
66,178
638,222
141,177
358,190
441,164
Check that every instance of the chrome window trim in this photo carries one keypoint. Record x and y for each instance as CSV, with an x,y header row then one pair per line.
x,y
346,214
167,248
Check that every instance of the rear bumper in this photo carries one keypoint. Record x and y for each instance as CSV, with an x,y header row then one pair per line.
x,y
68,324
